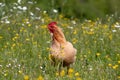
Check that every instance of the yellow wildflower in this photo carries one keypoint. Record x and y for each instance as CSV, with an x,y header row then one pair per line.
x,y
89,21
64,25
109,65
29,25
5,74
105,26
20,72
74,40
8,28
43,26
13,45
50,56
109,18
95,41
57,74
1,37
118,54
76,74
108,58
17,35
40,78
118,77
70,71
62,73
119,62
48,48
35,42
115,66
91,31
26,77
75,32
27,39
61,16
78,78
97,54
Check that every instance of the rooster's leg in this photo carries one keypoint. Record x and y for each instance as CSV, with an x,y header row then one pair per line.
x,y
68,67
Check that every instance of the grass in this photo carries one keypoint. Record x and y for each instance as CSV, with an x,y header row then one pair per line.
x,y
25,41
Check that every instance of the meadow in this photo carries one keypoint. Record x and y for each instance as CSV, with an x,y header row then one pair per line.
x,y
25,41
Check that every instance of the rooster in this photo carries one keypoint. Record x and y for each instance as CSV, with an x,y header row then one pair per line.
x,y
61,50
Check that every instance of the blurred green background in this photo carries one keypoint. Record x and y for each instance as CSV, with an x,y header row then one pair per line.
x,y
89,9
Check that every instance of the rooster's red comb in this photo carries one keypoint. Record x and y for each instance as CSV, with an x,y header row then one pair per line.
x,y
52,23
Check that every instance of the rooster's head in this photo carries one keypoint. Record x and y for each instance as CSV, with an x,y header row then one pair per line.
x,y
52,26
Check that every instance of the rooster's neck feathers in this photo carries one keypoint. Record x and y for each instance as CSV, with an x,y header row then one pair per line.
x,y
59,36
